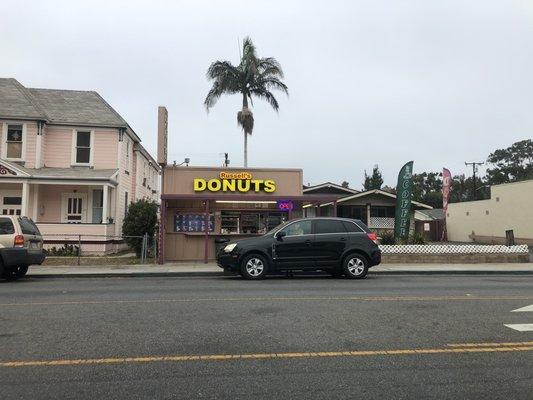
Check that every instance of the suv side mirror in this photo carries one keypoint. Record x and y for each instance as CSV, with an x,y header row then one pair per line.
x,y
280,235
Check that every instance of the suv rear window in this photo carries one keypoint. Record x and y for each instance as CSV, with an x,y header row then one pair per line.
x,y
28,227
351,227
329,226
6,226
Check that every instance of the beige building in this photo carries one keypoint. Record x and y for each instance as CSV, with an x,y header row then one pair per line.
x,y
70,162
510,207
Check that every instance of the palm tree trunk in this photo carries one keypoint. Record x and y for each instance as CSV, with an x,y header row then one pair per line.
x,y
245,149
245,105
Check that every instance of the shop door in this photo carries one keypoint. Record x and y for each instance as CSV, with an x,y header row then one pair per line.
x,y
295,249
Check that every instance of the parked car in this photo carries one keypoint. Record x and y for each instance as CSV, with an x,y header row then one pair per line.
x,y
21,245
339,246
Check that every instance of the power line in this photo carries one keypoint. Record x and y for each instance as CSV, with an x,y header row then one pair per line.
x,y
474,169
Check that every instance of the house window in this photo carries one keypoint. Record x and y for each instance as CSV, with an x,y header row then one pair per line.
x,y
83,147
14,142
127,148
11,205
98,202
125,203
74,209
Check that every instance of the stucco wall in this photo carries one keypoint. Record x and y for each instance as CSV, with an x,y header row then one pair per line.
x,y
509,207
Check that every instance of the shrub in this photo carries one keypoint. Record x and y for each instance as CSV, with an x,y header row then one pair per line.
x,y
387,238
417,238
68,250
140,218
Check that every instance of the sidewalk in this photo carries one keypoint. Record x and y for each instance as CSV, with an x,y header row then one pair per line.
x,y
189,270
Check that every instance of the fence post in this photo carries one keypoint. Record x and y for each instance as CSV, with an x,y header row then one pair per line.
x,y
79,249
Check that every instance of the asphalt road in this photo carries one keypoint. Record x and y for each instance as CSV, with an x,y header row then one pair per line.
x,y
386,337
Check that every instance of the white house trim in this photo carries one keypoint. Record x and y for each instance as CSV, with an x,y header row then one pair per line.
x,y
330,185
73,150
4,140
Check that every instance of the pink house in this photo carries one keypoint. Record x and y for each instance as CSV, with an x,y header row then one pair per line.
x,y
70,162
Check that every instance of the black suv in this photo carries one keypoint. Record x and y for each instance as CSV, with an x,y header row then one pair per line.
x,y
337,245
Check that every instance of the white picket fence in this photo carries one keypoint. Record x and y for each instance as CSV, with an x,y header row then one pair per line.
x,y
453,249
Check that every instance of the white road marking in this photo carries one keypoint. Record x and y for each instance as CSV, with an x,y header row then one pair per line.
x,y
520,327
524,309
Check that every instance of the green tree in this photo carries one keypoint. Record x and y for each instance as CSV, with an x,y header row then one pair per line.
x,y
427,188
515,163
373,181
253,77
345,184
462,189
140,218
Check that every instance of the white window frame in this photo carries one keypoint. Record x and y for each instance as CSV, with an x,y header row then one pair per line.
x,y
17,209
64,202
74,143
4,141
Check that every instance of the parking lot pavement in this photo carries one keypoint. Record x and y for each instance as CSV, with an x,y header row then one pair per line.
x,y
306,337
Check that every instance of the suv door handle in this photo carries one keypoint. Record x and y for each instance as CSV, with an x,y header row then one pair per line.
x,y
343,239
308,242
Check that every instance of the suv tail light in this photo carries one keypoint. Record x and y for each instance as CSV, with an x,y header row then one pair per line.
x,y
372,236
19,241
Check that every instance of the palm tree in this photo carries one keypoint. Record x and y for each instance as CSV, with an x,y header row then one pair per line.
x,y
252,77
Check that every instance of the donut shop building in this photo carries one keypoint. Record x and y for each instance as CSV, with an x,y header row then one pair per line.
x,y
202,206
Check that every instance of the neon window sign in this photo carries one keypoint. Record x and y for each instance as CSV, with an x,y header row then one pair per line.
x,y
285,205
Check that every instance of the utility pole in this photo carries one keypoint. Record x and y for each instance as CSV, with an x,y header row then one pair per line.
x,y
226,160
474,169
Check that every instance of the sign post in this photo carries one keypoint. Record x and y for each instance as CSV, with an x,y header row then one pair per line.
x,y
404,190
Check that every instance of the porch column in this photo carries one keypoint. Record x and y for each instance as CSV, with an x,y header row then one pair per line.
x,y
24,205
35,212
368,215
206,242
335,208
105,205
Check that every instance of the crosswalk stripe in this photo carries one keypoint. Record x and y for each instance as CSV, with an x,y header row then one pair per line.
x,y
524,309
520,327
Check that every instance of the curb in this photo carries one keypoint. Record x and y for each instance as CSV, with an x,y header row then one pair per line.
x,y
193,274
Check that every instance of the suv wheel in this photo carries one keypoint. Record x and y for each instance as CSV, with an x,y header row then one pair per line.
x,y
355,266
14,273
253,267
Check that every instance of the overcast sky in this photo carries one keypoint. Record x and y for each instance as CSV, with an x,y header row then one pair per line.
x,y
371,82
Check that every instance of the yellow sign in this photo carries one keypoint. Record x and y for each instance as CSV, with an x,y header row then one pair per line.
x,y
234,182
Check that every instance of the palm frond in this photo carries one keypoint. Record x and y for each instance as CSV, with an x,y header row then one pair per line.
x,y
270,66
266,95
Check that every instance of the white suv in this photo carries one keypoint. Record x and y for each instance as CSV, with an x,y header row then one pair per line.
x,y
21,245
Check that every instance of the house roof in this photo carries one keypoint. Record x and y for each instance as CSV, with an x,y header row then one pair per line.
x,y
429,215
58,106
16,102
378,192
16,171
329,185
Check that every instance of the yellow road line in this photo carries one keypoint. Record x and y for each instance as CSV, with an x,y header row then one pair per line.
x,y
302,298
489,344
262,356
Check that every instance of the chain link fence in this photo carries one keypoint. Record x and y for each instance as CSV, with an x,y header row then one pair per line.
x,y
88,249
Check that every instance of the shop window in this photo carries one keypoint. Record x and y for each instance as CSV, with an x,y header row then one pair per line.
x,y
193,223
14,142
